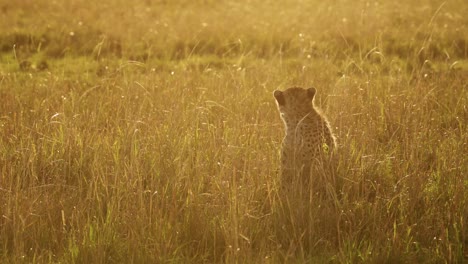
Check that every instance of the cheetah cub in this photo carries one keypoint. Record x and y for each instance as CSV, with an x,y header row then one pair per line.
x,y
308,136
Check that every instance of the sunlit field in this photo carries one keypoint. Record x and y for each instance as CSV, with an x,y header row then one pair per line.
x,y
147,131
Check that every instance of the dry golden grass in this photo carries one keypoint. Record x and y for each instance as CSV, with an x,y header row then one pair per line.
x,y
146,131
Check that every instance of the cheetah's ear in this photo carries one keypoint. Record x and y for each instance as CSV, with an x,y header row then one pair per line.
x,y
311,93
279,97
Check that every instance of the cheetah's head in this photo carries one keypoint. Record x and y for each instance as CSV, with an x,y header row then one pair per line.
x,y
294,101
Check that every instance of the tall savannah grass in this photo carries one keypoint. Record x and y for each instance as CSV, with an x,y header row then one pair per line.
x,y
146,131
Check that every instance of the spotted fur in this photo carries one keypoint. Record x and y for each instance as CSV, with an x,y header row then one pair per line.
x,y
308,135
